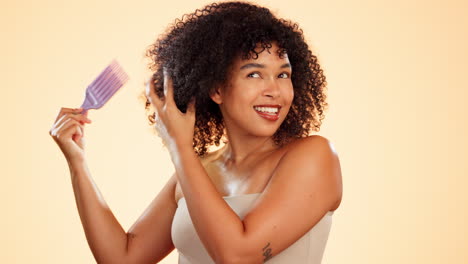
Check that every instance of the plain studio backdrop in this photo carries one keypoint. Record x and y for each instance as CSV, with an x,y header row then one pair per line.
x,y
397,86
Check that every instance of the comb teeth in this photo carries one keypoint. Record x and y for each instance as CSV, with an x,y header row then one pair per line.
x,y
104,86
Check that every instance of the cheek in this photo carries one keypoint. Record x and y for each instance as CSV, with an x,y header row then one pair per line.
x,y
289,95
234,102
245,96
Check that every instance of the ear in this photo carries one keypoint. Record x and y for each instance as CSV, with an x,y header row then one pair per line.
x,y
216,95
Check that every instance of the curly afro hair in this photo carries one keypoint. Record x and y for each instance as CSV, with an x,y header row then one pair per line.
x,y
198,49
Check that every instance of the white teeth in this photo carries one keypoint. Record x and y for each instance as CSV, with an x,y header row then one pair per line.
x,y
267,109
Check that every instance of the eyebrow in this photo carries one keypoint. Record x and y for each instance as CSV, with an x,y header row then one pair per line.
x,y
258,65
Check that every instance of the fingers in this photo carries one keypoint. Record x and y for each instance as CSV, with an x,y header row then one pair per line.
x,y
151,95
168,88
64,111
71,111
65,115
69,130
70,126
78,117
150,92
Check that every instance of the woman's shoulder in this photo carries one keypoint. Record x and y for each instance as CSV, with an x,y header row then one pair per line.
x,y
314,151
313,143
316,157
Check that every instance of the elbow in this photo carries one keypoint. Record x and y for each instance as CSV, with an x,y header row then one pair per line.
x,y
115,259
239,251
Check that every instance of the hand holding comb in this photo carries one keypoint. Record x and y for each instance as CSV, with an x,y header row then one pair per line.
x,y
104,86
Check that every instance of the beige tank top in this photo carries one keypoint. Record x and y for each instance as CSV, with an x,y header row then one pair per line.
x,y
308,249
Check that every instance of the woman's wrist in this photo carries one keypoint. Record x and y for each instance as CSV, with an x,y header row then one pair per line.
x,y
77,160
177,150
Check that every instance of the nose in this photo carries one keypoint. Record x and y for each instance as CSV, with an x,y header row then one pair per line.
x,y
272,88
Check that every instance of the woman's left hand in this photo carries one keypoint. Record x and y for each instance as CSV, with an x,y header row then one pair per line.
x,y
175,128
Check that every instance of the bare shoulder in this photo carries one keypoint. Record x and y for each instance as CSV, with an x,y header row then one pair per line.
x,y
314,143
318,156
314,148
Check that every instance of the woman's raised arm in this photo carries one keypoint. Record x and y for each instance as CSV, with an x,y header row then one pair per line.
x,y
148,240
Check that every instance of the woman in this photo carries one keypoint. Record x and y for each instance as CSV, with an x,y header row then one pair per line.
x,y
231,70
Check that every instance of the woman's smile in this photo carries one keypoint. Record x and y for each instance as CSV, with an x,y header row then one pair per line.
x,y
263,85
269,112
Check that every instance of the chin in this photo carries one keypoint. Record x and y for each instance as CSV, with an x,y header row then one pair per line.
x,y
265,132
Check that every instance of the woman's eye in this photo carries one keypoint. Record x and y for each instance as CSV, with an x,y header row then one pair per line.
x,y
284,75
253,75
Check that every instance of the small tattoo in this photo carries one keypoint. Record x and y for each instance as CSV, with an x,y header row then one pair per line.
x,y
267,252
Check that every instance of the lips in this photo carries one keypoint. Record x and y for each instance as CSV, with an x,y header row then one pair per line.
x,y
268,105
270,117
268,112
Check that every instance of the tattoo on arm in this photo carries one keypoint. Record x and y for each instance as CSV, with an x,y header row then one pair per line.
x,y
267,252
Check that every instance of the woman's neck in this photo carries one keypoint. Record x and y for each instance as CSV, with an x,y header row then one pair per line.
x,y
240,151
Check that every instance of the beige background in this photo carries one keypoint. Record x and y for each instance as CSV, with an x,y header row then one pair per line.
x,y
397,83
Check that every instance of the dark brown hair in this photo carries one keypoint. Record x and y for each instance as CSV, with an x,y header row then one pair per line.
x,y
198,49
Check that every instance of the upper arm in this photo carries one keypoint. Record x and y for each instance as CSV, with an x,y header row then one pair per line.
x,y
305,185
149,239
